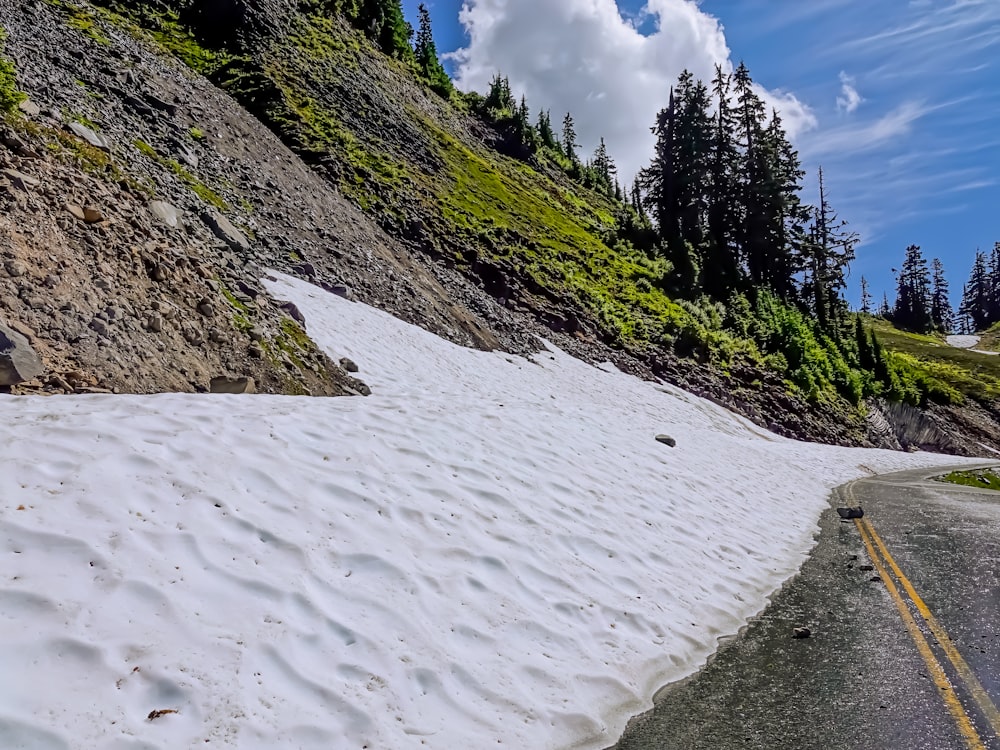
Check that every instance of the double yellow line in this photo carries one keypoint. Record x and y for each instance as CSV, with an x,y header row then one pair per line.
x,y
884,562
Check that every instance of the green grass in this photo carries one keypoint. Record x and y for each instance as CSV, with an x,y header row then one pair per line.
x,y
985,479
990,339
196,186
10,95
953,370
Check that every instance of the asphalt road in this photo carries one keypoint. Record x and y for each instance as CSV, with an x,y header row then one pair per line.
x,y
862,679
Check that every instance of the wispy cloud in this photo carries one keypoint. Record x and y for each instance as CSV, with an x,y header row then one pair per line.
x,y
864,137
849,99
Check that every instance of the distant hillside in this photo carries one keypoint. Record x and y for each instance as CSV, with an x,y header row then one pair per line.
x,y
388,187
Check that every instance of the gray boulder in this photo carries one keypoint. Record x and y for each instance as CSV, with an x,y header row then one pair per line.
x,y
18,361
225,384
225,231
82,131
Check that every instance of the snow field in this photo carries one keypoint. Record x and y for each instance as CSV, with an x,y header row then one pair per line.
x,y
488,551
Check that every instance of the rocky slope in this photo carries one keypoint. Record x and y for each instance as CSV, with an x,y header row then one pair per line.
x,y
142,202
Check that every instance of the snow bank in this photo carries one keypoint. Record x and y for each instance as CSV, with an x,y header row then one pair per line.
x,y
486,551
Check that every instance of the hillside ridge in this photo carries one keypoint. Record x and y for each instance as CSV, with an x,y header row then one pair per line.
x,y
332,163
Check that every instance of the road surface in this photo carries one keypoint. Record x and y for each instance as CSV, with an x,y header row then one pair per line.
x,y
904,612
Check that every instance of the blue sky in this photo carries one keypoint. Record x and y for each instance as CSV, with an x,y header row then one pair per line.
x,y
899,101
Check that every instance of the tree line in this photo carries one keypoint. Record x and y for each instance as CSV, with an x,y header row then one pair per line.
x,y
923,303
721,202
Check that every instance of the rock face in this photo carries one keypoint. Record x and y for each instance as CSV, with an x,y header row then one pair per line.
x,y
18,361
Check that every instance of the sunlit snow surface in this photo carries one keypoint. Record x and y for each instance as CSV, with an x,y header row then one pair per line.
x,y
488,551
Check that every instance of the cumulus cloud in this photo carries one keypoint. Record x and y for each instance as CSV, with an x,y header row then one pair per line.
x,y
584,57
849,99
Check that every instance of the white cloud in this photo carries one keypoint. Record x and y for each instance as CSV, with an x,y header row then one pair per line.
x,y
849,99
584,57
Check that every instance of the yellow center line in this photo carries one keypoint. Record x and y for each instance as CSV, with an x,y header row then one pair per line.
x,y
940,679
973,685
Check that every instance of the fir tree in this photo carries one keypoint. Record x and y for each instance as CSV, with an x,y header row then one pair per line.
x,y
976,298
569,143
913,293
866,297
721,252
544,127
828,253
425,54
941,314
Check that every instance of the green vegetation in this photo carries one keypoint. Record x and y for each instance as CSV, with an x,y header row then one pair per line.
x,y
198,187
985,479
10,96
753,285
938,372
196,134
242,314
82,18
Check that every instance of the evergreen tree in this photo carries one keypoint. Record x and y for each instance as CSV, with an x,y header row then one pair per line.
x,y
426,56
499,103
884,310
784,218
993,305
522,124
604,169
866,297
544,127
382,21
721,252
569,143
866,352
752,232
828,253
913,293
941,315
976,297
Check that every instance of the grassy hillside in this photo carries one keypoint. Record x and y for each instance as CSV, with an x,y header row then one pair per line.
x,y
432,175
954,373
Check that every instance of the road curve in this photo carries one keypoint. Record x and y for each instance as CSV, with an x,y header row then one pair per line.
x,y
862,680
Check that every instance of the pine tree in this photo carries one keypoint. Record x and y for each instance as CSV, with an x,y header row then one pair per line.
x,y
977,295
866,352
941,314
382,21
544,127
884,310
499,103
752,232
828,252
913,293
426,56
722,253
604,169
569,143
866,297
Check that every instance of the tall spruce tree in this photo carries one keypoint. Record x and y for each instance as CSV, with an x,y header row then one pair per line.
x,y
866,297
913,293
976,299
544,127
426,56
382,21
722,252
941,315
828,253
569,143
752,232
